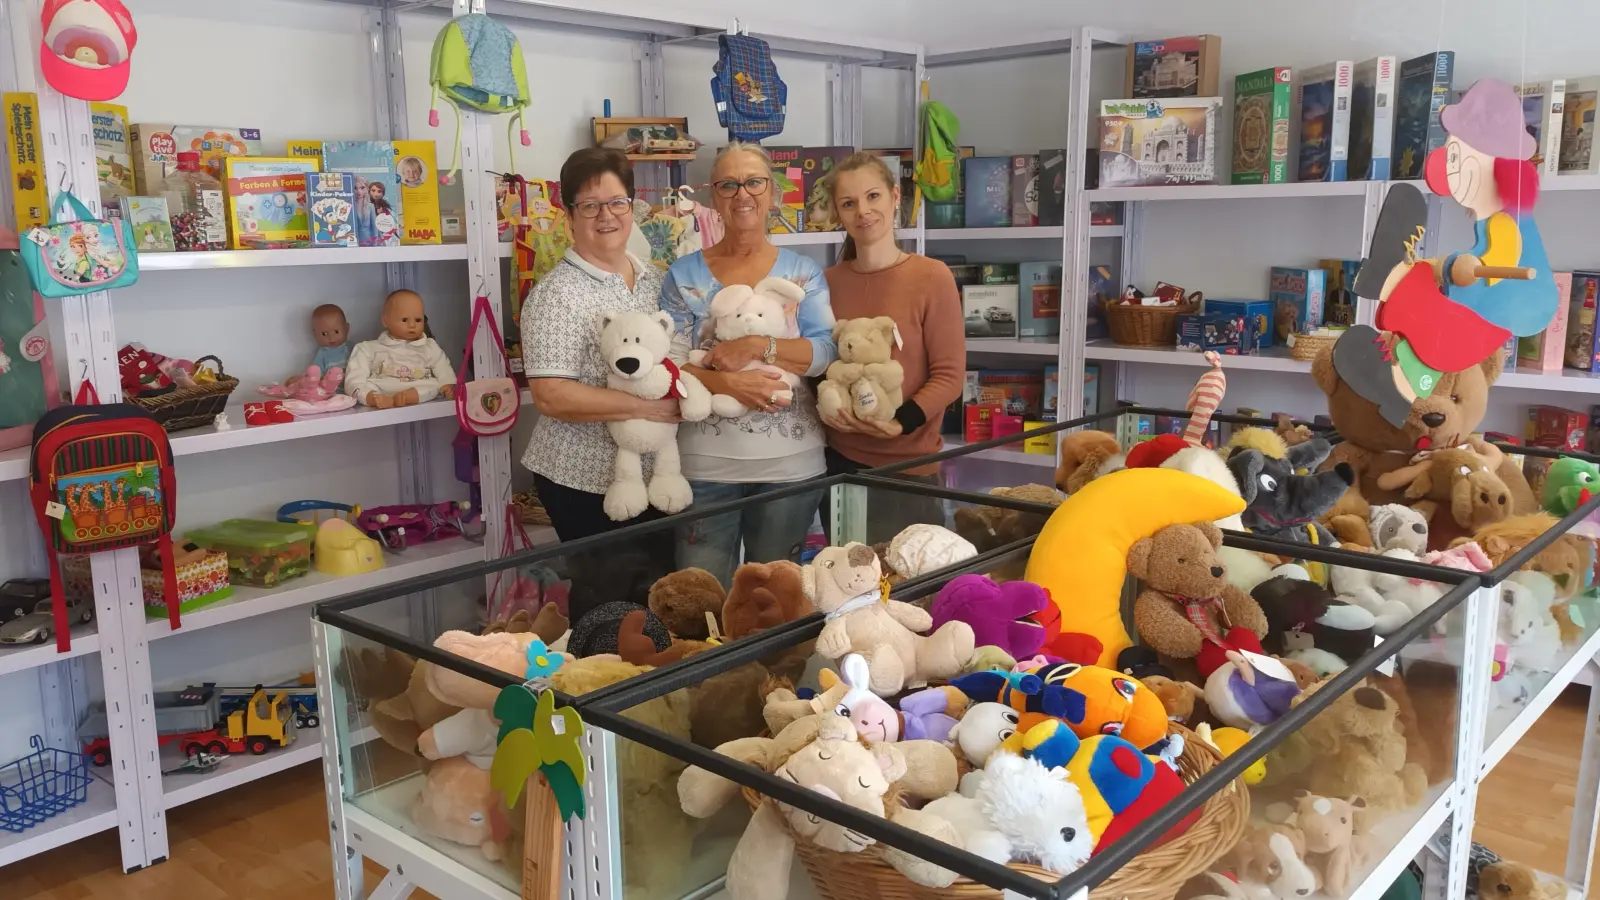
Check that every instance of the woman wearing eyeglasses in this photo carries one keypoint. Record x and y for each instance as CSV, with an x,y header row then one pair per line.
x,y
571,453
778,442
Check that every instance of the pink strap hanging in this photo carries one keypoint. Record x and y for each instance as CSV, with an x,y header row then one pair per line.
x,y
485,407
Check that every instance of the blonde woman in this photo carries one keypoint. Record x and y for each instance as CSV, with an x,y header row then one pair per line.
x,y
875,277
777,443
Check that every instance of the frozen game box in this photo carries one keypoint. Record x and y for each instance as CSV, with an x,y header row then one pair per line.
x,y
1149,142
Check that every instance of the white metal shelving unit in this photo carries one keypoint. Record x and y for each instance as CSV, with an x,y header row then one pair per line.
x,y
131,795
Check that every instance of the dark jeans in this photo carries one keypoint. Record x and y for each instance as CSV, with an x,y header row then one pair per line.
x,y
621,571
888,512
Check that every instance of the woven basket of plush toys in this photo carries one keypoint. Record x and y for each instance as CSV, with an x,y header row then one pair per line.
x,y
877,871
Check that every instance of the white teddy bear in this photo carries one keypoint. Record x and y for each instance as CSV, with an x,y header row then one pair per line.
x,y
634,347
741,311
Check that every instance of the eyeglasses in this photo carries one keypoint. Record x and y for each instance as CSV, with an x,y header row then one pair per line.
x,y
617,206
755,187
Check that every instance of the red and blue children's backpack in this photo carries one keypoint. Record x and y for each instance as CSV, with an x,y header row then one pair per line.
x,y
750,97
102,479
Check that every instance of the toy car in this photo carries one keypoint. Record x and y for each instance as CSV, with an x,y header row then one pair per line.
x,y
19,595
39,626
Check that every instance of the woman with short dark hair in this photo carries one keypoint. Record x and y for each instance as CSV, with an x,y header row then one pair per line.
x,y
571,454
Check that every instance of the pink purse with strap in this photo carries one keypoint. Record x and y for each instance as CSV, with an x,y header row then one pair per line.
x,y
485,406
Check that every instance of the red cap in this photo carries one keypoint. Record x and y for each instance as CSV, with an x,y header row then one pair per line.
x,y
87,47
1152,453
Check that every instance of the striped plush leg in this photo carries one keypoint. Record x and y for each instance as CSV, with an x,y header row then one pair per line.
x,y
1204,399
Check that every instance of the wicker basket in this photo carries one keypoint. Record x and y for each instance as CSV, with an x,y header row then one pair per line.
x,y
190,407
1155,874
1306,346
1145,326
530,508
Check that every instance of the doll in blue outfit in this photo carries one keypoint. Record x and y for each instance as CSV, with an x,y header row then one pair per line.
x,y
332,334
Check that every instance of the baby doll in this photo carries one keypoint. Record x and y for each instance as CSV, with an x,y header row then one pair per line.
x,y
331,332
403,366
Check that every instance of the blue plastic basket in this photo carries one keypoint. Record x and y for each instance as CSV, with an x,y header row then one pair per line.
x,y
41,784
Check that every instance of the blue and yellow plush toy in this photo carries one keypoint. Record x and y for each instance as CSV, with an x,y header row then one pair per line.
x,y
1093,700
1120,786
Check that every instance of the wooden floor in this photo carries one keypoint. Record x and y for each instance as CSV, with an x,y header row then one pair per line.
x,y
268,840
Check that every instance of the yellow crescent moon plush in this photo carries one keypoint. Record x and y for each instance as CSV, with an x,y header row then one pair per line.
x,y
1081,556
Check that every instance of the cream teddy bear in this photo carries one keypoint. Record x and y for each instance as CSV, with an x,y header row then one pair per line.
x,y
865,379
741,311
844,583
633,346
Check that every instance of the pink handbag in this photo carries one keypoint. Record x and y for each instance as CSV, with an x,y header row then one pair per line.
x,y
485,406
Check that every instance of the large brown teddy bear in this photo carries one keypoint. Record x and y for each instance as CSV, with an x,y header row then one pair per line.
x,y
1183,579
1446,418
1358,750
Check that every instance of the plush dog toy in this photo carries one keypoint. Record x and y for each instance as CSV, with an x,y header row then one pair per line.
x,y
633,346
1454,486
1022,812
844,584
1086,455
1283,504
741,311
864,379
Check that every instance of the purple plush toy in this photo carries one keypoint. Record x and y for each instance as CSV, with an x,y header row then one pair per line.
x,y
997,612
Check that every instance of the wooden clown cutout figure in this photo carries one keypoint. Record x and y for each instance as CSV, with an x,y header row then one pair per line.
x,y
1439,316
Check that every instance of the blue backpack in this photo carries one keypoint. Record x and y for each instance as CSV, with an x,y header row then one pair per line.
x,y
751,99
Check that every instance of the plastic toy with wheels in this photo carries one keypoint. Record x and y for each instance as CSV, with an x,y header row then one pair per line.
x,y
406,525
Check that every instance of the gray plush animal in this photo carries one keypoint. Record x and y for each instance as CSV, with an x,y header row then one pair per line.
x,y
1280,502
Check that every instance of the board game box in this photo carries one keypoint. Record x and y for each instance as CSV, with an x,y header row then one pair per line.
x,y
1039,299
1052,187
1323,99
1024,191
330,209
112,162
788,187
267,202
1542,102
1372,119
155,149
816,164
1578,111
151,224
30,192
1261,102
1422,93
415,166
988,191
380,205
1297,297
1148,142
990,310
1174,67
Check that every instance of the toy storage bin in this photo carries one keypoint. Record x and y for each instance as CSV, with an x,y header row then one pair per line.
x,y
369,643
260,552
40,785
190,407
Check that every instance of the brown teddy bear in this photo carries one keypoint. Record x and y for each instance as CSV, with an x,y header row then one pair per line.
x,y
1188,610
865,379
682,599
1506,880
1446,418
1083,455
1358,750
988,527
1456,489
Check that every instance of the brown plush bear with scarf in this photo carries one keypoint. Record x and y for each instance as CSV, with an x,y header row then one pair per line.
x,y
1188,609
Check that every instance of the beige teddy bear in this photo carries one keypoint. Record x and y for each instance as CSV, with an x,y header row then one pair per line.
x,y
844,583
865,379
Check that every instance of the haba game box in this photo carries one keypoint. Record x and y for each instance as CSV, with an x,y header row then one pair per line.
x,y
267,202
1150,142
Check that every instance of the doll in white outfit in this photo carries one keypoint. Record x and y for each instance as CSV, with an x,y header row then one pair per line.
x,y
403,366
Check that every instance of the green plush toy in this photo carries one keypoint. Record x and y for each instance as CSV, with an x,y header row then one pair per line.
x,y
1569,484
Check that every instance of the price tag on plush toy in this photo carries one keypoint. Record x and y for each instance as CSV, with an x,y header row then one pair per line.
x,y
55,510
1267,666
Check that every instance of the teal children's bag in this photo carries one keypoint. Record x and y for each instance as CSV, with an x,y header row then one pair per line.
x,y
477,63
70,257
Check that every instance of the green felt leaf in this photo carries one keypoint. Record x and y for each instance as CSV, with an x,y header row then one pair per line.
x,y
515,760
558,731
515,708
568,789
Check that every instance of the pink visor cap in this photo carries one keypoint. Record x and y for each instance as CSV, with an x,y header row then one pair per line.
x,y
87,47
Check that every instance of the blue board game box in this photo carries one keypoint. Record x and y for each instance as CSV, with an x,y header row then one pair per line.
x,y
1256,313
988,192
1297,299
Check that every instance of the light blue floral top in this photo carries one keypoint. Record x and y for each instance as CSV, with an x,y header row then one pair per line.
x,y
756,447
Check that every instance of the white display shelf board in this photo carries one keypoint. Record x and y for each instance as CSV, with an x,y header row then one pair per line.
x,y
1274,359
1000,454
1566,381
1049,346
249,600
1026,233
1513,724
95,814
18,657
1403,842
1229,191
442,873
205,439
324,256
243,768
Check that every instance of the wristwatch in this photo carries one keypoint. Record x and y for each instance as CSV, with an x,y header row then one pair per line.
x,y
771,356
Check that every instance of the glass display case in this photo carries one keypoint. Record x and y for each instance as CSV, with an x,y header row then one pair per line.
x,y
679,754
